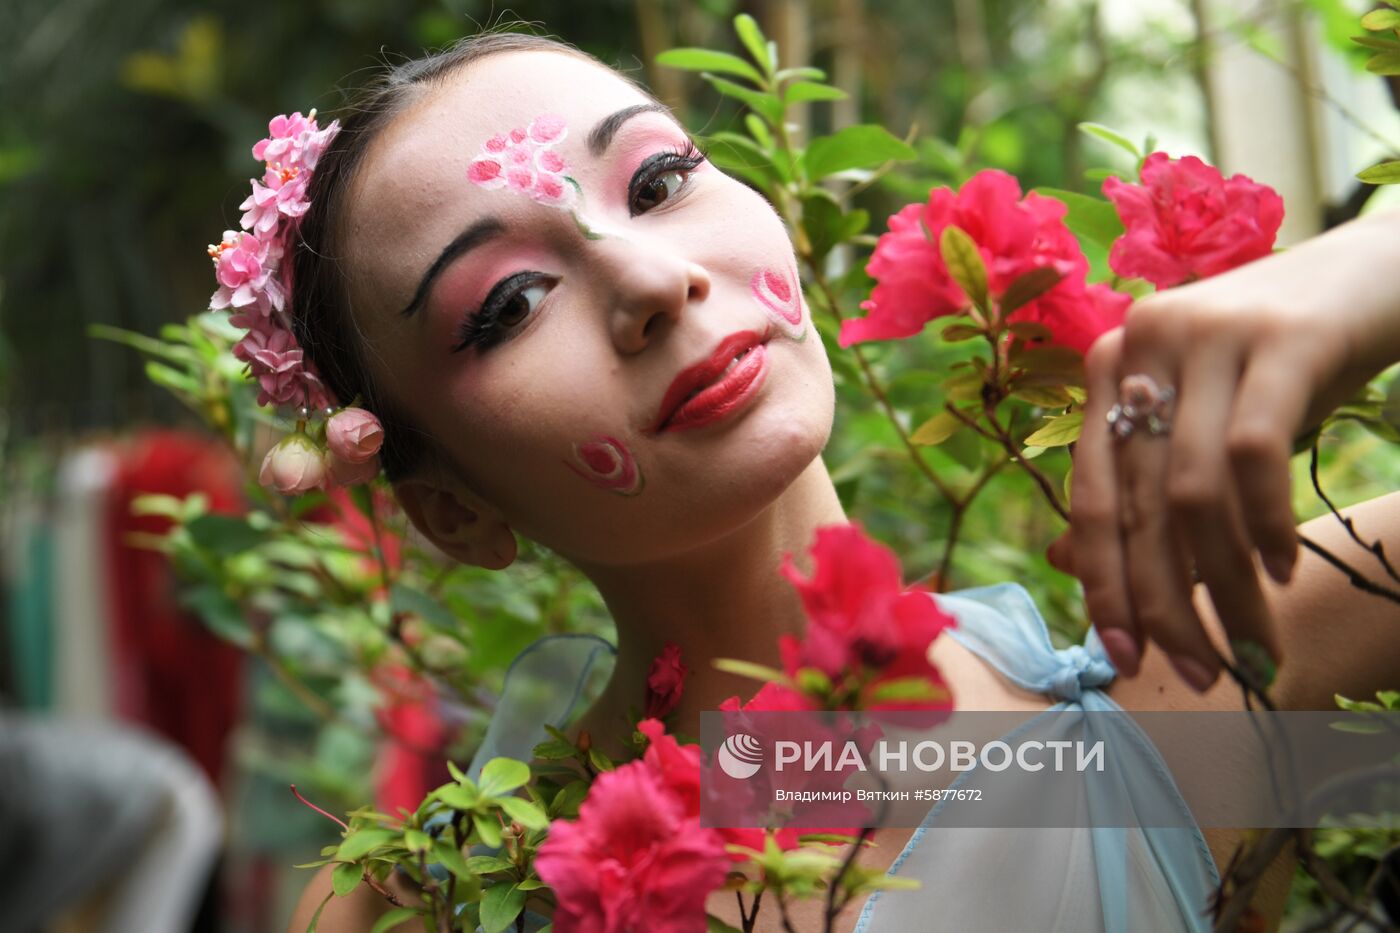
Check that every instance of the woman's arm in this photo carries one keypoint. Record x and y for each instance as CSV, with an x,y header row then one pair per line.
x,y
1256,356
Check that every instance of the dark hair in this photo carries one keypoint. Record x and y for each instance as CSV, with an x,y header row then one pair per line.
x,y
322,318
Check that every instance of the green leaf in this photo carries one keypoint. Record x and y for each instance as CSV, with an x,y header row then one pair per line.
x,y
714,924
346,878
600,761
709,60
956,333
864,145
1058,431
487,829
1044,396
805,73
361,842
964,264
1386,63
760,102
500,905
525,813
458,796
937,429
801,91
455,771
502,775
747,29
1030,330
1379,43
316,917
393,918
1027,288
1090,218
484,864
1377,20
1386,173
404,598
741,155
749,669
451,858
224,534
554,750
168,378
1112,137
904,690
416,840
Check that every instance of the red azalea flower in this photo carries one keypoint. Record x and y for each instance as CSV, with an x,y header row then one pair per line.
x,y
637,858
1014,235
860,616
1186,221
665,682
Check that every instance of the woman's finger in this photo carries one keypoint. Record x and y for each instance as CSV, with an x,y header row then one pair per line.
x,y
1095,537
1204,500
1159,582
1269,408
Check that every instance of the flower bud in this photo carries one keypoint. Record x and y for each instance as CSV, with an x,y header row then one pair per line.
x,y
347,473
355,435
296,465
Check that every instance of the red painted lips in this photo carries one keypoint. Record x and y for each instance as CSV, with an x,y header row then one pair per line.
x,y
705,392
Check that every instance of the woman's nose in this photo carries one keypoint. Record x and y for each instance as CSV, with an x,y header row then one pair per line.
x,y
650,286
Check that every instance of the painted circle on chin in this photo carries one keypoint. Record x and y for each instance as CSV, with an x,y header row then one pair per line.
x,y
780,294
607,463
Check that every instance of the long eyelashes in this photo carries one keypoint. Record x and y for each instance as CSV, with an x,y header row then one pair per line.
x,y
647,190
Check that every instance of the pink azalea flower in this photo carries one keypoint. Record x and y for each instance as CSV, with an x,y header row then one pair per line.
x,y
1185,221
665,682
284,135
636,859
1014,235
296,465
354,434
859,615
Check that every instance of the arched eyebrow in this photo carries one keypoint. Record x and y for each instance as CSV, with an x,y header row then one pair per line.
x,y
483,231
607,127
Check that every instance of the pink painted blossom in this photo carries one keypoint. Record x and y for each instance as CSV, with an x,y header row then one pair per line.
x,y
1185,221
636,859
486,172
665,682
547,129
296,465
354,434
1014,235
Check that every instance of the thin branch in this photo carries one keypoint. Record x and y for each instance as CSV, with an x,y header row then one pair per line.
x,y
1357,580
1377,547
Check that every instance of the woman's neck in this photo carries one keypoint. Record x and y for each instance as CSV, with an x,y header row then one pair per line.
x,y
725,599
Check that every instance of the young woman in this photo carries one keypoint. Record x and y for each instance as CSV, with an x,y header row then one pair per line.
x,y
502,330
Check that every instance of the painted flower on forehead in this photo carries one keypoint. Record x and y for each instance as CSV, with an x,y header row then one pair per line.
x,y
524,161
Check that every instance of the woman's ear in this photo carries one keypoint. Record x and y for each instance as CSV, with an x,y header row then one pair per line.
x,y
458,522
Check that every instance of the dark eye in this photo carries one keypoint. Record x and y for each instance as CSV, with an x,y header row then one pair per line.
x,y
510,304
661,178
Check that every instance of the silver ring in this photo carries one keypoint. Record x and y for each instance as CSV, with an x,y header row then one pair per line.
x,y
1142,403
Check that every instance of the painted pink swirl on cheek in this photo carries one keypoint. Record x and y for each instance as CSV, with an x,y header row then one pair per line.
x,y
781,296
607,463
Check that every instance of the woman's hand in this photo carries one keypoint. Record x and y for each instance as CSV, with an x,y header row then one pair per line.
x,y
1256,356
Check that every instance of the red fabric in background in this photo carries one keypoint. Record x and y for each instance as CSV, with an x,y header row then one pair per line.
x,y
170,672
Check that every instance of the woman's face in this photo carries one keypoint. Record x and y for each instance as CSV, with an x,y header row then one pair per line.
x,y
544,272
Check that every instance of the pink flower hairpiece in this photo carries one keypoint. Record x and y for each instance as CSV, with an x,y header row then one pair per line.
x,y
254,286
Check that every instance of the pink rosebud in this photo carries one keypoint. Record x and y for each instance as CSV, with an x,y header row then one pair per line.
x,y
1185,221
354,434
665,682
345,473
296,465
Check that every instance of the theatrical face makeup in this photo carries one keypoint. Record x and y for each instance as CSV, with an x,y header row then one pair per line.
x,y
603,332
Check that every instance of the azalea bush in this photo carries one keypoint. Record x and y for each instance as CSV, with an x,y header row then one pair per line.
x,y
993,291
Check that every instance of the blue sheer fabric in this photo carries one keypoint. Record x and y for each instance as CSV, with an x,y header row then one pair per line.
x,y
1054,879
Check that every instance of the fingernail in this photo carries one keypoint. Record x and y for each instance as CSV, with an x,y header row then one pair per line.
x,y
1279,567
1256,661
1193,672
1122,650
